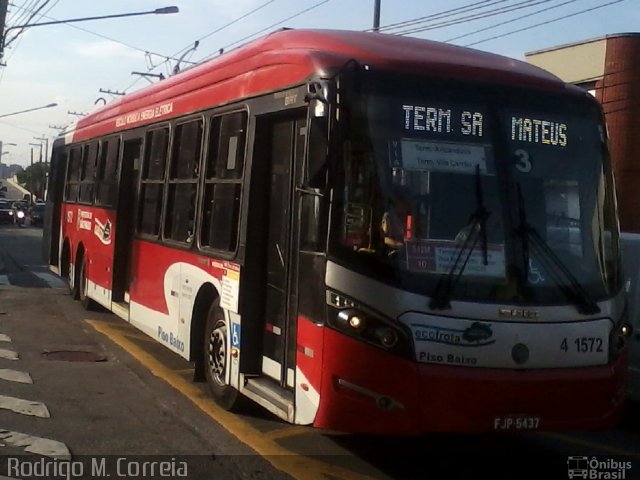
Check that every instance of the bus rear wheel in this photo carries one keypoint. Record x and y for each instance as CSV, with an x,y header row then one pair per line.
x,y
216,360
71,281
83,287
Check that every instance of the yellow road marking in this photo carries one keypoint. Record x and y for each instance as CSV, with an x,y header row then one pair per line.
x,y
297,466
286,432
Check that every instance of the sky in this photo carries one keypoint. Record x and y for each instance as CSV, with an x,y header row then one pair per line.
x,y
69,64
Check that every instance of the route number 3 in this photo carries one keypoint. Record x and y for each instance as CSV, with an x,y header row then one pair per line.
x,y
523,162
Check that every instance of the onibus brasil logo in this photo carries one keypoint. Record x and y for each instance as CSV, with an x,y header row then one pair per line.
x,y
595,468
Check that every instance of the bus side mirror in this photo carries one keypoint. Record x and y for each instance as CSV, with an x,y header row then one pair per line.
x,y
316,161
320,94
313,219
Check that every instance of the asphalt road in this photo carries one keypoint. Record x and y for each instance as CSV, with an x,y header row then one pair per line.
x,y
124,394
67,392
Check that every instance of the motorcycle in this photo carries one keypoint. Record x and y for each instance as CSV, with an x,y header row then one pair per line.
x,y
20,218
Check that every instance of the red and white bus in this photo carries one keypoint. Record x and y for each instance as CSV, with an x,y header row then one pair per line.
x,y
360,232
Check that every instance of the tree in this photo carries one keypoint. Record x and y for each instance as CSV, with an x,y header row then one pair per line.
x,y
34,178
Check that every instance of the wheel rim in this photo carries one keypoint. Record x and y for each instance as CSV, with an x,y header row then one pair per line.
x,y
218,353
69,275
83,282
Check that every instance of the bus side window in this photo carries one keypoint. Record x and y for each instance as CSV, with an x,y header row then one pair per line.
x,y
183,182
152,183
73,176
223,182
107,173
89,160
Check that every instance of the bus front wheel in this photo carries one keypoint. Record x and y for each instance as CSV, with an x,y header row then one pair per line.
x,y
216,360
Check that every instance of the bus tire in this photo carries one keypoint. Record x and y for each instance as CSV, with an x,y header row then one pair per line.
x,y
72,281
216,357
83,286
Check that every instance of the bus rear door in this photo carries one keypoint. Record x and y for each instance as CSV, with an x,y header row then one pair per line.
x,y
125,217
53,208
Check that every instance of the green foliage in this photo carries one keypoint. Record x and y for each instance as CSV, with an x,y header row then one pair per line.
x,y
33,178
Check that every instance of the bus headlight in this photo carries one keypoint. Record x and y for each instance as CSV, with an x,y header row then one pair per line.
x,y
351,318
372,329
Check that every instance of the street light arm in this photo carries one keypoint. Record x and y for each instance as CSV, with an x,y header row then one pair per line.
x,y
29,110
157,11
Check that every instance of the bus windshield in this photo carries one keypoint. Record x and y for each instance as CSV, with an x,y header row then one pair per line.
x,y
500,196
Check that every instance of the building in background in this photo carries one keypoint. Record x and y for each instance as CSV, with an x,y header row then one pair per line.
x,y
609,68
8,171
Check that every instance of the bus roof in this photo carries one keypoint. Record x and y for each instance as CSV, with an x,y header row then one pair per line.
x,y
288,57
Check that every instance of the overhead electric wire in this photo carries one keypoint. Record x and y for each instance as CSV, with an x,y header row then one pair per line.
x,y
226,25
15,47
440,15
477,16
496,25
245,15
14,125
36,11
545,23
302,12
260,7
24,12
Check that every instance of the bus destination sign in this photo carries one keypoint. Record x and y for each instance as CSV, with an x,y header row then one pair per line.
x,y
463,122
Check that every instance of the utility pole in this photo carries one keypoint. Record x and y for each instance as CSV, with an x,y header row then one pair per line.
x,y
3,17
46,147
30,178
376,15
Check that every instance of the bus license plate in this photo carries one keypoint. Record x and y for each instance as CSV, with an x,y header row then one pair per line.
x,y
517,422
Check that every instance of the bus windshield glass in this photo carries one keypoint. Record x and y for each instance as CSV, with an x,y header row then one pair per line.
x,y
505,196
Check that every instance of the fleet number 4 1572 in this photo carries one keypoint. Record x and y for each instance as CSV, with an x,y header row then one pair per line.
x,y
582,345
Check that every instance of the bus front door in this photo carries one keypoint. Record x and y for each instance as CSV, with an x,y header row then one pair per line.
x,y
285,146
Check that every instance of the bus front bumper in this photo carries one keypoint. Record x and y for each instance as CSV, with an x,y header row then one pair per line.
x,y
378,393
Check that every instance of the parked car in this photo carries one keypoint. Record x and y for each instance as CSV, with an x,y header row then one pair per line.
x,y
36,213
6,214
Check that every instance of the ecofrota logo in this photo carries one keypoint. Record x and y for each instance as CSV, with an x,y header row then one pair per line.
x,y
476,335
597,469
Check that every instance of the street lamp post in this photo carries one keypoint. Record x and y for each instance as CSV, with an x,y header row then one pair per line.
x,y
51,105
157,11
2,168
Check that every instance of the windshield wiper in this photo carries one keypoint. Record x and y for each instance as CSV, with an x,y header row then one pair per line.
x,y
446,284
557,269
